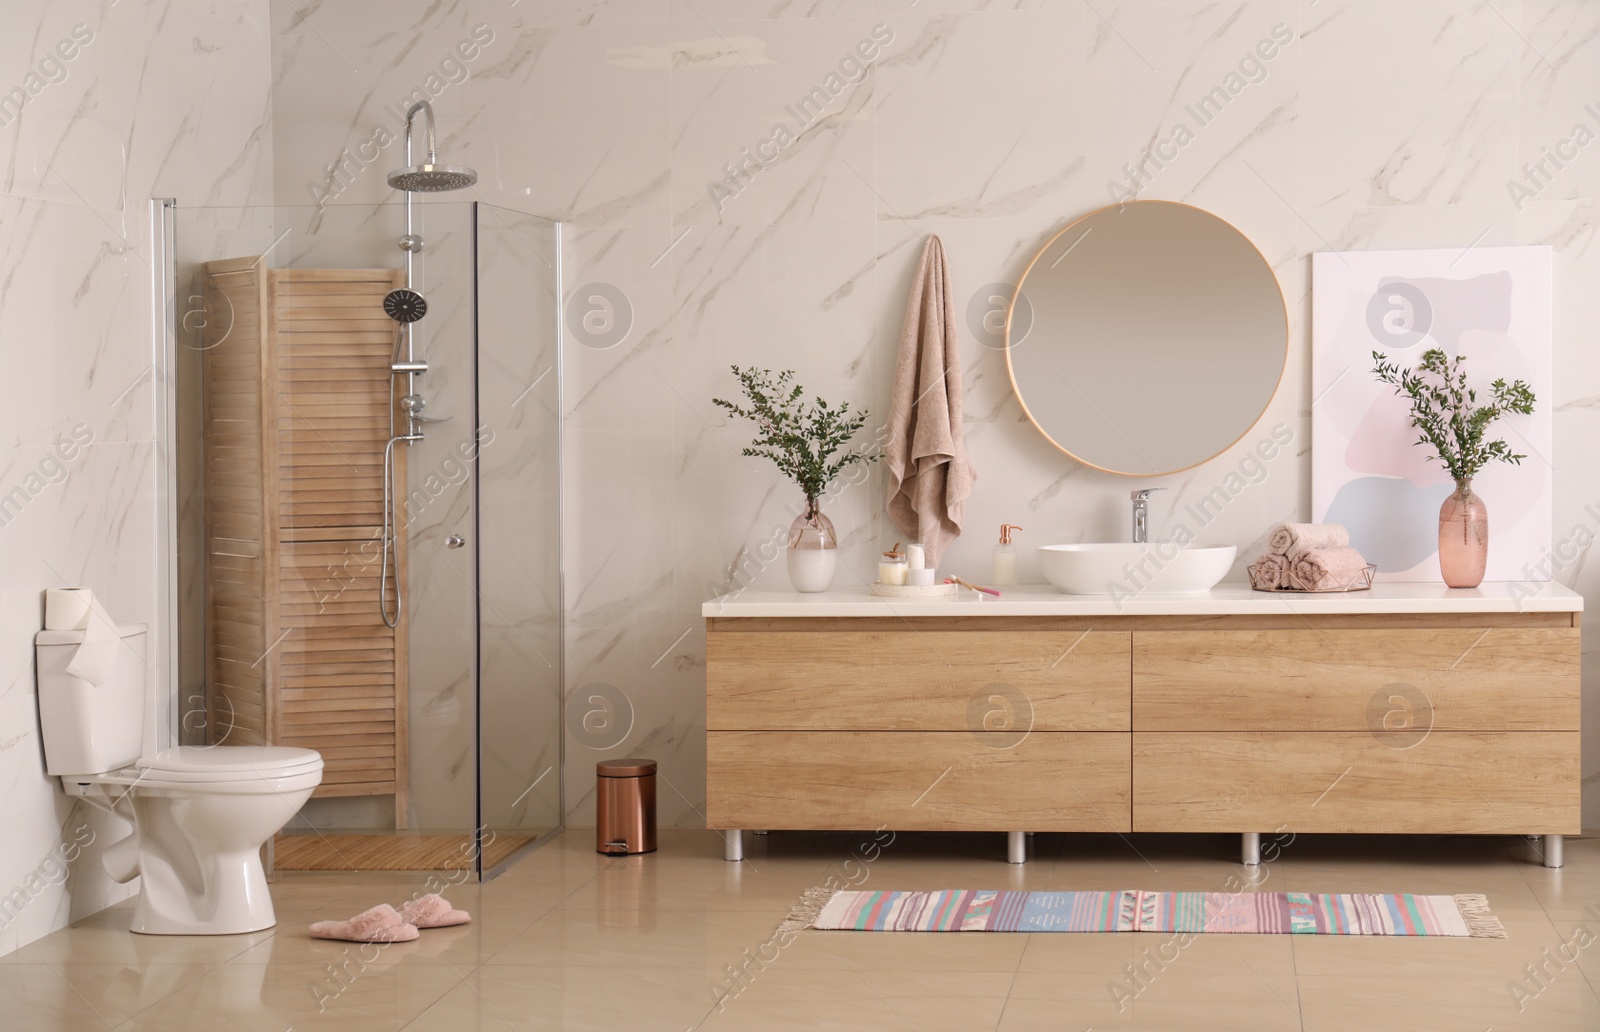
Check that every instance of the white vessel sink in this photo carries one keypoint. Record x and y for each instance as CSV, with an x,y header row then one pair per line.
x,y
1158,568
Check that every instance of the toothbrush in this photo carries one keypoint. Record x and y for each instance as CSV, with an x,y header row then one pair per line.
x,y
972,587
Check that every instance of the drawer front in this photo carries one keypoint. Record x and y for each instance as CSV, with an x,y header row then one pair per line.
x,y
1471,679
917,781
918,680
1452,782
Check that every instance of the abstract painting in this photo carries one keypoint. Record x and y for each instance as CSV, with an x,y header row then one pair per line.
x,y
1490,304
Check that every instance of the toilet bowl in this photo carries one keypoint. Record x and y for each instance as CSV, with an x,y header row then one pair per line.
x,y
199,814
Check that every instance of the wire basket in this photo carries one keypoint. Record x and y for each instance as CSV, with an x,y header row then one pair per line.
x,y
1355,580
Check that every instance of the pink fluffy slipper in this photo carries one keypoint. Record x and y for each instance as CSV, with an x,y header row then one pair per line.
x,y
432,911
380,924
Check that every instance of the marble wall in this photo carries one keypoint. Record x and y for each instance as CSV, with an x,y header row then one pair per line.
x,y
119,103
1376,125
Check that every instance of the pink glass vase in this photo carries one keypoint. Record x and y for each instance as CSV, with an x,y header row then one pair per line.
x,y
1463,537
813,550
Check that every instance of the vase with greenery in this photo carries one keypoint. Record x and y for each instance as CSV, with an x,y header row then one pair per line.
x,y
1453,423
804,438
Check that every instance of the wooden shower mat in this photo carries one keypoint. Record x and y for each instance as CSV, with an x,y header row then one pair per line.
x,y
390,851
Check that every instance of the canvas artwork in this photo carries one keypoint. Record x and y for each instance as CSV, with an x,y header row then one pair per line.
x,y
1492,305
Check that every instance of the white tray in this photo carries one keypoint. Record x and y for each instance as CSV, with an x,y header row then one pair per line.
x,y
915,590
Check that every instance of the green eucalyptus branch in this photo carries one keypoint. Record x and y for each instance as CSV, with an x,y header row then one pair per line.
x,y
800,437
1447,414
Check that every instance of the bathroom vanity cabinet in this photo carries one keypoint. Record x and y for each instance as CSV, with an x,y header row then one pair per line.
x,y
1410,708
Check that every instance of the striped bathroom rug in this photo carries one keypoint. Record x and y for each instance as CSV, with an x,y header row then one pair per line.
x,y
1130,910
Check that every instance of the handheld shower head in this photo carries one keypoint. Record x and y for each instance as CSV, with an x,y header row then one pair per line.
x,y
430,176
404,305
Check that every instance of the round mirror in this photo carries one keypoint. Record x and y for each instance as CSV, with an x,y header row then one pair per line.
x,y
1158,337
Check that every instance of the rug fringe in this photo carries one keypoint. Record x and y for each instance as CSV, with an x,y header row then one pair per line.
x,y
805,912
1481,924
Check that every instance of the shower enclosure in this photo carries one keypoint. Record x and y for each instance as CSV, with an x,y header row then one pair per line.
x,y
402,618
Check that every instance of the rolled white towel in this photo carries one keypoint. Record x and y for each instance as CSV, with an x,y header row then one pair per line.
x,y
1296,539
1327,569
1270,572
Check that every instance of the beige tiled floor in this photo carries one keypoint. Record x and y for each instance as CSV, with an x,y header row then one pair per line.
x,y
572,940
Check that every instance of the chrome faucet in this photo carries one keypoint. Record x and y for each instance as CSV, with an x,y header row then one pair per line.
x,y
1141,514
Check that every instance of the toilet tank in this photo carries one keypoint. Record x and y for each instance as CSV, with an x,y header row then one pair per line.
x,y
87,728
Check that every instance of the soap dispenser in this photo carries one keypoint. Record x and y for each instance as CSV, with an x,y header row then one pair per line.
x,y
1005,556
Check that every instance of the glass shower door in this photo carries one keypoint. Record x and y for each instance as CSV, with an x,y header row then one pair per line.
x,y
435,517
519,520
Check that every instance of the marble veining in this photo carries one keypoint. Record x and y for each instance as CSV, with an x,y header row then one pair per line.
x,y
160,98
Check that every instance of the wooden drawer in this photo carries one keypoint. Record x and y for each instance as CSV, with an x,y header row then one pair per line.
x,y
1467,679
1452,782
907,679
917,781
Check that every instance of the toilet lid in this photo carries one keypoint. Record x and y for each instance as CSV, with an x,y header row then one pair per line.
x,y
230,763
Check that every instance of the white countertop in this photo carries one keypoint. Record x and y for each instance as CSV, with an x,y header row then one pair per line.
x,y
1223,600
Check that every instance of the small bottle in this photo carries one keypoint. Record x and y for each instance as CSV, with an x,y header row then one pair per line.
x,y
1005,556
892,567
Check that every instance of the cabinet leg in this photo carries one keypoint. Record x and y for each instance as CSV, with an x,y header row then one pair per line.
x,y
1250,848
1016,847
1552,851
733,845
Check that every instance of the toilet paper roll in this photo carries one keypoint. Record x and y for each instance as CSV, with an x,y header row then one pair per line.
x,y
67,609
76,609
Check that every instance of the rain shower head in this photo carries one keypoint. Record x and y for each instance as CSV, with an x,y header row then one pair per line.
x,y
430,176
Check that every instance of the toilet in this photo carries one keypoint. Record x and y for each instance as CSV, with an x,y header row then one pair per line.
x,y
199,814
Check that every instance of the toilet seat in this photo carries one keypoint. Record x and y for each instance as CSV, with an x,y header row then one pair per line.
x,y
232,769
225,763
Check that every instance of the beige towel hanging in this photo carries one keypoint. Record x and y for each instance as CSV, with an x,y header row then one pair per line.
x,y
929,475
